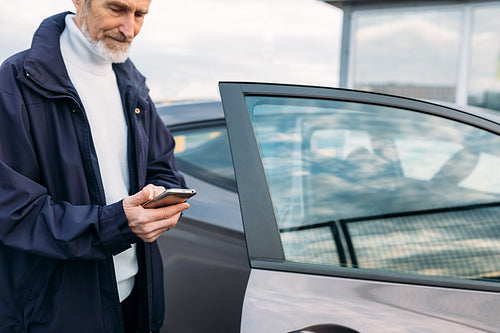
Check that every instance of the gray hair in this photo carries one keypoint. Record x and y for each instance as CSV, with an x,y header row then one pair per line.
x,y
85,9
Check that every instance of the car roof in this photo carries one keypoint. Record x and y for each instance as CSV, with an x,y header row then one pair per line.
x,y
190,112
180,113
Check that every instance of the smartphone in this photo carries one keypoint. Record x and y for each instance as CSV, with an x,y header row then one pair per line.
x,y
169,197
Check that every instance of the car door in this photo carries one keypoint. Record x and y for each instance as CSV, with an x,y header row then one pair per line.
x,y
204,258
365,212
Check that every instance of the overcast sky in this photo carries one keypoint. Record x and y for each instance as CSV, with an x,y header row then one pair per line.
x,y
187,46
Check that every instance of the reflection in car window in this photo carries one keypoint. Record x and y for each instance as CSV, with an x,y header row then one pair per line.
x,y
374,187
205,153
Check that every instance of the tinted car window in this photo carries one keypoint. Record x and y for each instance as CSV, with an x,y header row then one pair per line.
x,y
205,153
376,187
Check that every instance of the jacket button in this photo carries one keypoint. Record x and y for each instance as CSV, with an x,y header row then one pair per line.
x,y
137,111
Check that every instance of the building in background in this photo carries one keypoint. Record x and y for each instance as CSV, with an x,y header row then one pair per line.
x,y
440,50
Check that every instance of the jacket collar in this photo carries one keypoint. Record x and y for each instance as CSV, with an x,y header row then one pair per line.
x,y
44,65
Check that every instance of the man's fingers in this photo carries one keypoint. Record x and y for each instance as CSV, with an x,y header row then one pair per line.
x,y
149,238
156,217
149,232
166,212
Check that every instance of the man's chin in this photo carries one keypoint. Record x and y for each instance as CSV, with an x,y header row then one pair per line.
x,y
113,53
117,56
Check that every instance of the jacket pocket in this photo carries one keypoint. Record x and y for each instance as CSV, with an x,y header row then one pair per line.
x,y
43,288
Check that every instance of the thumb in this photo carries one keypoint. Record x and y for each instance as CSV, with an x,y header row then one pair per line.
x,y
141,197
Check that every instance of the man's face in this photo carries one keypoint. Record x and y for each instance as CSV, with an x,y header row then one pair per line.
x,y
111,25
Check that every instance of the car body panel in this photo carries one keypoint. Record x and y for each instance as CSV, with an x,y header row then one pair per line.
x,y
205,261
290,302
206,272
181,114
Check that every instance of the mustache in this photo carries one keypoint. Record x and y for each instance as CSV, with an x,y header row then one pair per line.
x,y
119,37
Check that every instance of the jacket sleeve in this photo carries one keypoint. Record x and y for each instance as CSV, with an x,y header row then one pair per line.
x,y
30,219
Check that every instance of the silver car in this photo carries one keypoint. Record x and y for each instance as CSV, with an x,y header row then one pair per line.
x,y
339,211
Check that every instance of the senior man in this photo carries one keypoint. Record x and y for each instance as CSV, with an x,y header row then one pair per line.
x,y
79,134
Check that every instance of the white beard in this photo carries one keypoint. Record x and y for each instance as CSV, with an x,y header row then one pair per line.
x,y
115,55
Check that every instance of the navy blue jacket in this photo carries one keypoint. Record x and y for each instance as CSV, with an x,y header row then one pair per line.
x,y
57,236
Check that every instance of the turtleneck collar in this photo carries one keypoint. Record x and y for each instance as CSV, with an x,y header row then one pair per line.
x,y
77,49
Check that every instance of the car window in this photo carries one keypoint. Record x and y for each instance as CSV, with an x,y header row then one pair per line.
x,y
205,153
380,188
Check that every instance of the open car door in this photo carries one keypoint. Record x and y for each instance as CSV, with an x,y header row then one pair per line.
x,y
365,212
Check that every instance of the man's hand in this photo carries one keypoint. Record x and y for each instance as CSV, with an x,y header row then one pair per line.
x,y
149,224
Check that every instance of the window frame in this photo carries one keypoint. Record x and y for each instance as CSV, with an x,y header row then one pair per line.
x,y
192,169
260,225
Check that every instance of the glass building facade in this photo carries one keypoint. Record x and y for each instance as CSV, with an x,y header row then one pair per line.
x,y
443,51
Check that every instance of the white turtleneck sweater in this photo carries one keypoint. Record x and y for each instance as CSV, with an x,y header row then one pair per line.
x,y
95,82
